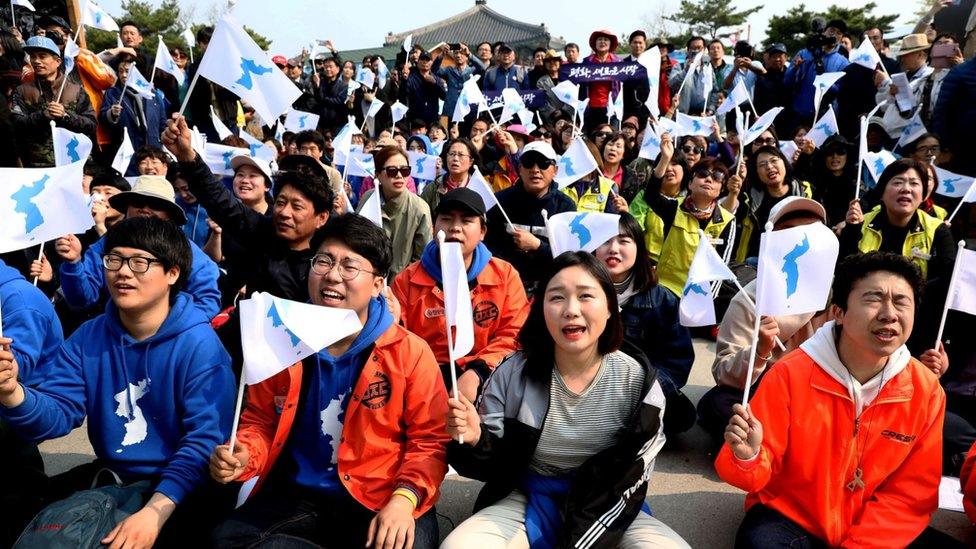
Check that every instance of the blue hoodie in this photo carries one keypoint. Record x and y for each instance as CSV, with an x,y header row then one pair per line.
x,y
83,283
179,404
197,230
28,318
428,149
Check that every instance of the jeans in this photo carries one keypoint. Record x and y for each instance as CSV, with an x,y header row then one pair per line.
x,y
766,528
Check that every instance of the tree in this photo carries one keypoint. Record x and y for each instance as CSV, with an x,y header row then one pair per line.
x,y
708,17
793,28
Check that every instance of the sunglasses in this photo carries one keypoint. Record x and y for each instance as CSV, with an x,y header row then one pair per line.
x,y
543,163
545,135
392,171
602,134
705,173
688,149
765,141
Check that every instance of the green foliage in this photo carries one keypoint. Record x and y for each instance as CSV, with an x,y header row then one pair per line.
x,y
792,29
708,17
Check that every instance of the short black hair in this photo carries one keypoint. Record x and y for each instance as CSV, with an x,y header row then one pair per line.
x,y
309,136
537,50
361,236
752,170
573,45
694,38
130,23
899,167
163,239
313,186
108,177
535,339
148,151
716,41
858,266
635,34
204,35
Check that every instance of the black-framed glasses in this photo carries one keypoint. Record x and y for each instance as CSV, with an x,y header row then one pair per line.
x,y
392,171
533,161
137,264
689,149
932,149
705,173
457,155
762,142
323,265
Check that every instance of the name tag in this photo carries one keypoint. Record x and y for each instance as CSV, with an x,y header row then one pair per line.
x,y
716,241
920,254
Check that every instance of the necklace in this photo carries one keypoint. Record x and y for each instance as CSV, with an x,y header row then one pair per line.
x,y
857,482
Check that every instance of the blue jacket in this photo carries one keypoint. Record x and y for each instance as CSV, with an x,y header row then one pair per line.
x,y
29,320
145,119
83,283
423,96
955,114
196,229
799,80
155,407
455,79
650,321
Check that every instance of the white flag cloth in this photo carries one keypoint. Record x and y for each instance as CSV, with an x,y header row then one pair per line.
x,y
912,131
470,95
696,307
71,51
567,92
96,17
822,83
477,183
69,147
297,121
865,55
695,125
382,73
191,40
424,166
651,61
362,165
165,63
23,4
616,107
824,128
575,163
457,298
276,333
398,110
759,126
737,96
235,62
581,106
651,144
952,184
125,153
877,162
136,82
374,108
342,143
41,204
372,208
365,76
581,231
963,296
693,66
513,105
788,148
796,268
223,132
218,157
408,43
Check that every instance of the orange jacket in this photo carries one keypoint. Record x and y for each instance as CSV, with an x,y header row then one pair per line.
x,y
498,304
811,446
394,433
96,77
968,480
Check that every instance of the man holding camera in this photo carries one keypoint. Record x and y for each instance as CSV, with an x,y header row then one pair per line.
x,y
820,55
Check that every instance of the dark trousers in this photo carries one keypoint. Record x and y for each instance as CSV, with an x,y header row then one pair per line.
x,y
24,483
286,517
958,432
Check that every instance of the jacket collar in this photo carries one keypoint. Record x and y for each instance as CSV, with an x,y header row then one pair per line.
x,y
487,277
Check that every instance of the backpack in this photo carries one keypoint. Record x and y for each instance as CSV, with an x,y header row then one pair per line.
x,y
83,519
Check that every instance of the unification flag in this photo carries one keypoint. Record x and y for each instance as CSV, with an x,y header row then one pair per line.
x,y
737,96
69,147
651,61
71,51
342,142
457,298
365,76
125,153
822,83
567,92
581,231
514,105
697,307
165,63
470,95
824,128
796,268
423,166
911,131
41,204
217,157
575,163
397,111
865,55
235,62
616,107
952,184
96,17
297,121
695,125
138,83
651,144
877,162
374,108
759,126
963,293
372,207
362,165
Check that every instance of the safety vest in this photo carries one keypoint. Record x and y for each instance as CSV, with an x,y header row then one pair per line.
x,y
797,188
681,242
595,196
918,242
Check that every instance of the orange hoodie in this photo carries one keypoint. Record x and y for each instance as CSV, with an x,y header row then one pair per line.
x,y
812,445
968,480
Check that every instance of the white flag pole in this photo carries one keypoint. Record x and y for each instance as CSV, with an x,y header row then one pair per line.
x,y
237,414
40,257
949,219
13,16
189,91
450,340
755,338
860,160
952,289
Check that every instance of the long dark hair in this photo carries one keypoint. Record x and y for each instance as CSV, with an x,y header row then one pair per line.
x,y
752,173
535,340
644,276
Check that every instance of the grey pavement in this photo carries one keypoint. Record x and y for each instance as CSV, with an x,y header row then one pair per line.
x,y
685,492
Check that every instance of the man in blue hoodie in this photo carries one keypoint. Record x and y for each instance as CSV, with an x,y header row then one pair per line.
x,y
33,335
149,375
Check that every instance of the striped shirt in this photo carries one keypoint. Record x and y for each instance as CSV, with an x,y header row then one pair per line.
x,y
578,426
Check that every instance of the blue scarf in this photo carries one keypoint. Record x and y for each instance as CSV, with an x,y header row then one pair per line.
x,y
431,261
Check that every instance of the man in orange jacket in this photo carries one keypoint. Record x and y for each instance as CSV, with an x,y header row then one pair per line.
x,y
348,447
967,479
842,444
498,298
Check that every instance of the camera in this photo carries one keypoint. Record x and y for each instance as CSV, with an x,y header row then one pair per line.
x,y
817,40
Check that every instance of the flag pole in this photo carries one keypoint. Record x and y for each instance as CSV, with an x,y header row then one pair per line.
x,y
237,413
755,337
450,340
189,91
860,159
962,201
952,289
40,257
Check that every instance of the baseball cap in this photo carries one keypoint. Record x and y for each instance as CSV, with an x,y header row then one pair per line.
x,y
461,199
41,43
541,148
777,47
504,47
258,163
796,204
160,193
279,60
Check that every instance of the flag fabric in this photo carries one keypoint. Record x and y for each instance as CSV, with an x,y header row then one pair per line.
x,y
191,40
41,204
737,96
567,92
911,131
424,166
575,163
362,165
651,61
477,183
374,108
372,208
382,73
125,153
759,126
276,333
69,147
695,125
963,296
865,55
223,132
581,231
235,62
788,148
297,121
952,184
71,51
513,105
165,63
666,125
796,268
693,66
397,111
824,128
457,298
470,95
96,17
697,307
365,76
615,107
118,41
136,82
651,144
218,157
342,142
408,43
877,162
23,4
822,83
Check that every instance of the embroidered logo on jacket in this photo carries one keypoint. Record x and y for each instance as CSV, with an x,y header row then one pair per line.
x,y
484,313
377,392
906,439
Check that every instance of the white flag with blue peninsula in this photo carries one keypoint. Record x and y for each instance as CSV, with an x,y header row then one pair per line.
x,y
651,143
737,96
342,143
952,184
423,166
299,121
69,147
824,128
697,307
136,82
94,16
911,131
217,157
41,204
470,95
581,231
824,82
165,63
796,268
362,165
575,163
759,126
514,105
567,92
865,55
397,111
651,61
877,162
695,125
125,153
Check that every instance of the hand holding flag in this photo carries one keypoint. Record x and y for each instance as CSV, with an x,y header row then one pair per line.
x,y
575,163
696,307
581,231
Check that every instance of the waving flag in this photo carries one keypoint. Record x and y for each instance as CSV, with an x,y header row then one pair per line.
x,y
759,126
362,165
342,142
125,153
397,111
865,55
408,43
822,83
696,307
222,131
824,128
695,125
191,40
235,62
372,207
651,61
23,4
651,144
382,73
952,184
877,162
94,16
165,63
457,298
962,294
912,131
567,92
575,163
365,76
71,51
374,108
693,66
41,204
615,107
513,105
581,231
298,121
470,95
424,166
258,149
218,157
478,184
737,96
796,268
138,83
69,147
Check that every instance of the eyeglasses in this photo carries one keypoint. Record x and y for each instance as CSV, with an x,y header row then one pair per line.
x,y
323,264
705,173
765,141
457,155
138,265
392,171
545,135
932,149
602,134
688,149
837,152
532,161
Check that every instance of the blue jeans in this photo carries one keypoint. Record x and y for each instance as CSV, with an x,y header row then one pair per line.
x,y
766,528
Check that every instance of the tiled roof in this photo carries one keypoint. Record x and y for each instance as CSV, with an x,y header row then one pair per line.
x,y
476,24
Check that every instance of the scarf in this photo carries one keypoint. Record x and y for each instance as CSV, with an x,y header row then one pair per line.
x,y
431,261
689,206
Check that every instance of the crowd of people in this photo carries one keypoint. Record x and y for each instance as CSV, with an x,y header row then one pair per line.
x,y
576,376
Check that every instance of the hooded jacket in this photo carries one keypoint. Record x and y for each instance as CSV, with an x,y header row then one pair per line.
x,y
821,427
145,119
156,408
28,319
34,127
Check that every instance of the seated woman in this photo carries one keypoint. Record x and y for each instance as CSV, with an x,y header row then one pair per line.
x,y
568,430
650,318
832,172
594,192
670,177
614,152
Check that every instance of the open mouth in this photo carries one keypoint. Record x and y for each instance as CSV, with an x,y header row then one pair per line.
x,y
123,288
574,331
885,335
331,297
612,261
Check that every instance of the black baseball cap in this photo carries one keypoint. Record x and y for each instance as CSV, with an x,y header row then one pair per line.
x,y
777,47
502,46
461,199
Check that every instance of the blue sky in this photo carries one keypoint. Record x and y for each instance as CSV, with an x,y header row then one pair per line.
x,y
363,23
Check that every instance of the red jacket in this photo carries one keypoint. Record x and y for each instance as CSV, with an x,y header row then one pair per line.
x,y
968,480
394,433
812,445
498,304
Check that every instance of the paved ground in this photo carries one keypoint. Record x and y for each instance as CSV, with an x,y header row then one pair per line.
x,y
685,492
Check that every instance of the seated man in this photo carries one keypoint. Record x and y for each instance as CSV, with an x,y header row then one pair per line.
x,y
498,299
83,277
348,446
149,375
842,443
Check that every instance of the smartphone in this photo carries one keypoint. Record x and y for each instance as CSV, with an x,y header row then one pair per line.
x,y
941,54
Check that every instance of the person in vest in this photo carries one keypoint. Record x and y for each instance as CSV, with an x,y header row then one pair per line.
x,y
505,74
681,221
595,192
873,413
497,296
567,431
899,226
670,177
347,446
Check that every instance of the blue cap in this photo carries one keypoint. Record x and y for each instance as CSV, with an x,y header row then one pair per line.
x,y
42,43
